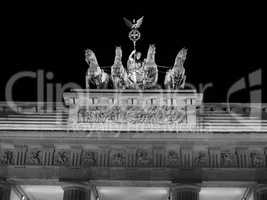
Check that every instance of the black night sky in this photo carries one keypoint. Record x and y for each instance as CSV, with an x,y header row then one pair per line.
x,y
226,42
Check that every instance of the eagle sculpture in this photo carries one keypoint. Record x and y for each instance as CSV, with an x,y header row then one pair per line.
x,y
135,24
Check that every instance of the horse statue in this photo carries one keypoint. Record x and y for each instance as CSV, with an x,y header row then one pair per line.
x,y
118,73
150,70
175,77
96,77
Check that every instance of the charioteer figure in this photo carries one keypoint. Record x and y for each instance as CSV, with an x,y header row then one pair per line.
x,y
135,70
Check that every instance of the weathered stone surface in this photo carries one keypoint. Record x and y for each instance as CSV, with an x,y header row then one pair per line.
x,y
62,158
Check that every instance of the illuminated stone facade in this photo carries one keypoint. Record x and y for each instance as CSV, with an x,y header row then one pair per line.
x,y
86,144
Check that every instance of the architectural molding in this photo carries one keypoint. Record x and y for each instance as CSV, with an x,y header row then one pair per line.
x,y
133,156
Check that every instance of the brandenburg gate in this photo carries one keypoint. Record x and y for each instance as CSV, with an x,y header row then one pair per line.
x,y
108,138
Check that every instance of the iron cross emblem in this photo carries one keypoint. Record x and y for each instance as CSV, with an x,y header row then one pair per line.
x,y
134,35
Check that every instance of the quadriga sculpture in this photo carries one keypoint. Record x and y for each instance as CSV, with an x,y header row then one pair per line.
x,y
97,78
139,75
175,77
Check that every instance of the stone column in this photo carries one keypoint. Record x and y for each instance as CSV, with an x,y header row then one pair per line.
x,y
4,192
260,193
185,192
76,193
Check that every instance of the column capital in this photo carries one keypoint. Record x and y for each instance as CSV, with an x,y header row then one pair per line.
x,y
260,187
69,186
5,184
65,185
180,186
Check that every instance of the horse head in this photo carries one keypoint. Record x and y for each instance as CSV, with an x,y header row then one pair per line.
x,y
180,58
117,66
118,55
90,57
151,53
